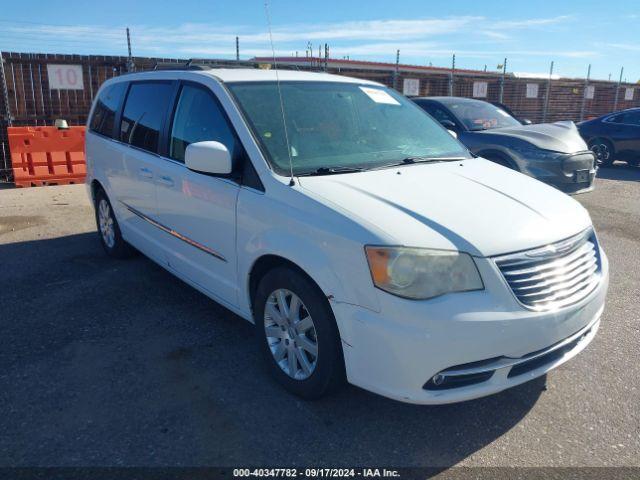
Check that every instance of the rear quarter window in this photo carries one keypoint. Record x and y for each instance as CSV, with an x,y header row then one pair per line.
x,y
104,113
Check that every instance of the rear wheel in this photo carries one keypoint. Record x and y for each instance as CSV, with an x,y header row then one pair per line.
x,y
297,334
603,151
108,229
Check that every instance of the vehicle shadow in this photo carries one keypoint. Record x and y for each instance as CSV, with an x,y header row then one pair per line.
x,y
119,363
619,171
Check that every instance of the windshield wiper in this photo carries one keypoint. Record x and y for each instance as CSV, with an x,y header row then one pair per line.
x,y
412,160
405,161
331,171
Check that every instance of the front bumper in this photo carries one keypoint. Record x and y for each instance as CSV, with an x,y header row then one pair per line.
x,y
572,172
396,352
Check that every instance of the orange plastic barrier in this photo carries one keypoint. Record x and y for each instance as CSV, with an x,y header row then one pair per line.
x,y
47,155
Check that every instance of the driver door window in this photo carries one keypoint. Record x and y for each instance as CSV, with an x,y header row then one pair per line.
x,y
199,118
626,118
631,118
440,114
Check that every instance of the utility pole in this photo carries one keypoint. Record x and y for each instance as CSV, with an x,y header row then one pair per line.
x,y
130,65
5,93
615,102
8,119
584,94
326,56
546,98
237,49
453,69
504,72
396,71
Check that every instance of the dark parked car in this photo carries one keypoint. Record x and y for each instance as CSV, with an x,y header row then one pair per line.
x,y
551,152
523,121
615,136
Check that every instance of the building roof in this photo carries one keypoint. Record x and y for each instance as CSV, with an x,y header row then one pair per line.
x,y
367,65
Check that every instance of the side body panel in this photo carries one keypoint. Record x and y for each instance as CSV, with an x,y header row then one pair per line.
x,y
201,210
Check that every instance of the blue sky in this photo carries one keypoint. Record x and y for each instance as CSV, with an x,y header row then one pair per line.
x,y
573,33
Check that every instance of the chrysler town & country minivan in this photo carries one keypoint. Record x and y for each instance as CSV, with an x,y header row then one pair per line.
x,y
363,240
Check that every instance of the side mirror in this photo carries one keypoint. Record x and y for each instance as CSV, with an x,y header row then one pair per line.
x,y
526,121
208,157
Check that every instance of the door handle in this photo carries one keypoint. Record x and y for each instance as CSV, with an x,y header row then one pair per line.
x,y
145,172
165,180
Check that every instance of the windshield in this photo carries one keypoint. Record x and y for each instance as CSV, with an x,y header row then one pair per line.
x,y
340,126
477,115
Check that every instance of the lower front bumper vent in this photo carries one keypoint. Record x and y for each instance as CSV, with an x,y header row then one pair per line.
x,y
444,382
477,372
545,358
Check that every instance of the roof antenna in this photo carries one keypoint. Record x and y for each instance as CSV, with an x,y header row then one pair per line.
x,y
284,120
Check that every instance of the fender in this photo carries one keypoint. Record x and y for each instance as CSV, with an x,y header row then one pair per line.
x,y
313,261
500,152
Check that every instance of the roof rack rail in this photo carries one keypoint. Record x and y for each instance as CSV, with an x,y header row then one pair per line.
x,y
189,65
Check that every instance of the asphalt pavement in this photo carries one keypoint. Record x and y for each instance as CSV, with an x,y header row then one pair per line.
x,y
106,362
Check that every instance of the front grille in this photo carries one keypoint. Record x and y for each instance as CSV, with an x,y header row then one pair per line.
x,y
578,161
553,276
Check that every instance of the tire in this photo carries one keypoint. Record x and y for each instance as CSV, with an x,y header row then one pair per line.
x,y
603,150
108,229
292,340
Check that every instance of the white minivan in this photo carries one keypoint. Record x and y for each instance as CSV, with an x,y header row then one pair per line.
x,y
362,239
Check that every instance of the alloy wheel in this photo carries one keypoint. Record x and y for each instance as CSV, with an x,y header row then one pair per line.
x,y
291,334
105,220
601,151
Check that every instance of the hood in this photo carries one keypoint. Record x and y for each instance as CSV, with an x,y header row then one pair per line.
x,y
560,136
474,206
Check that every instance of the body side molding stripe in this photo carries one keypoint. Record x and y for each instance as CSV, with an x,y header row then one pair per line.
x,y
172,232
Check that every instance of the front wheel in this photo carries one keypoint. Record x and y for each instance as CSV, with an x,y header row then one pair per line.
x,y
500,160
297,334
603,151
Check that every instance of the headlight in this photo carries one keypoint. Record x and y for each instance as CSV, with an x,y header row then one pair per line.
x,y
419,273
535,153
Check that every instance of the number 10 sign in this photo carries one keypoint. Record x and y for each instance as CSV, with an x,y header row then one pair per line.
x,y
65,77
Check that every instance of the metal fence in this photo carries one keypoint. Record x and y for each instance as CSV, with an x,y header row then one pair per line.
x,y
29,100
526,97
29,97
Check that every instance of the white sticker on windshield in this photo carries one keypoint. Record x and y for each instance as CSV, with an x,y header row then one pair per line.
x,y
379,96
